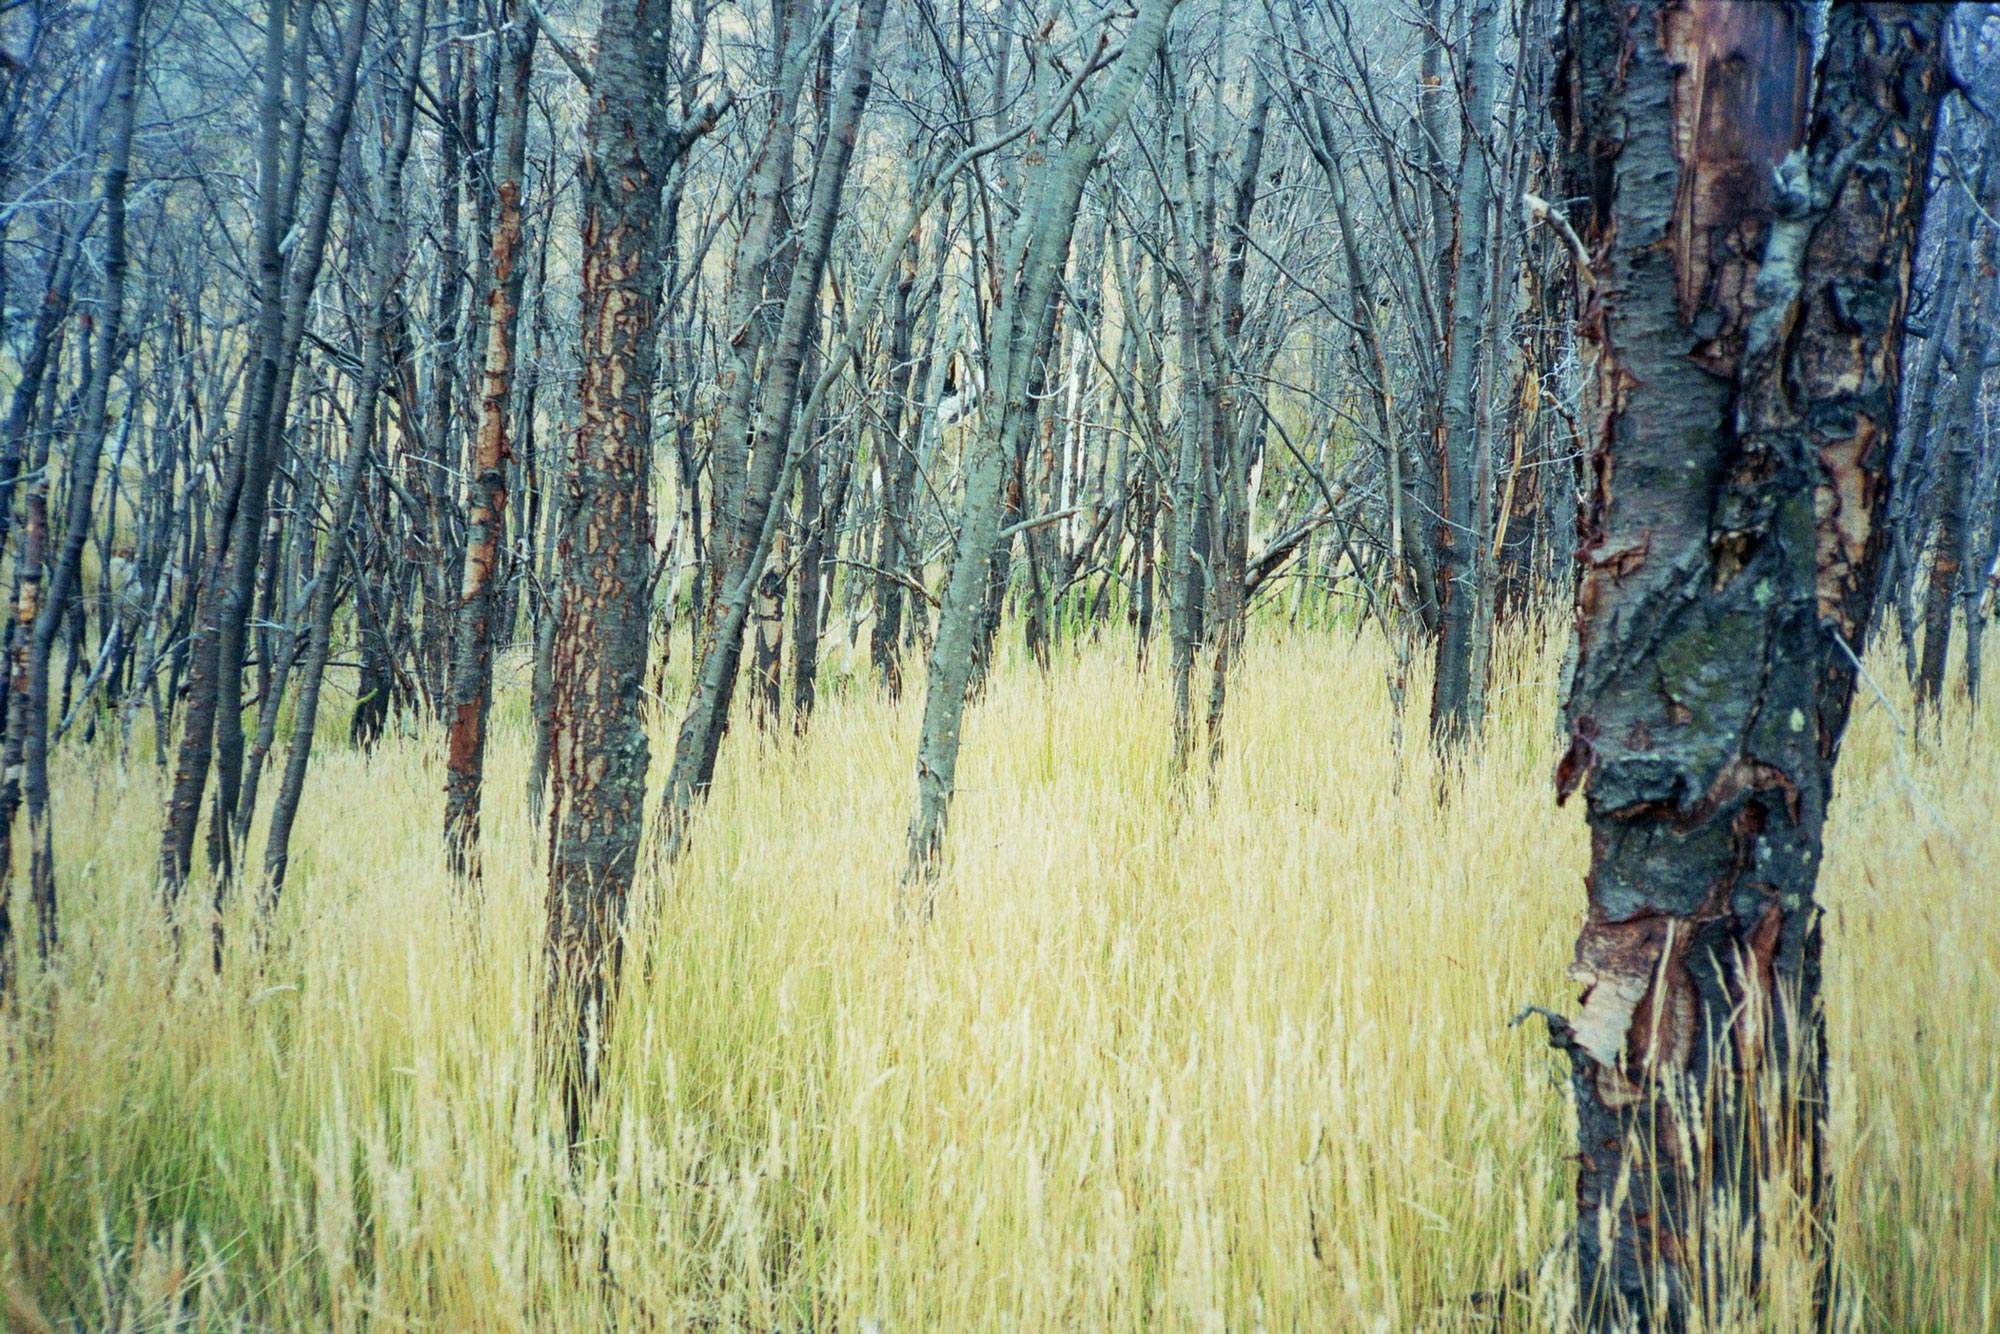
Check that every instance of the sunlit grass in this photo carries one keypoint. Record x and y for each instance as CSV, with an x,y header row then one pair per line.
x,y
1232,1056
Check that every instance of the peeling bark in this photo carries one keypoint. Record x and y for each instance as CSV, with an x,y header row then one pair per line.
x,y
1743,352
471,684
598,751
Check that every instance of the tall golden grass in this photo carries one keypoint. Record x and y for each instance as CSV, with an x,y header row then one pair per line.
x,y
1234,1057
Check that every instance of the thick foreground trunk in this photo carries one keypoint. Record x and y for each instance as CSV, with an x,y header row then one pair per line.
x,y
1742,333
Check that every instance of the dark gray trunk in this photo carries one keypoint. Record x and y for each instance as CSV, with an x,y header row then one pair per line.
x,y
41,617
1738,438
1465,532
1954,475
384,276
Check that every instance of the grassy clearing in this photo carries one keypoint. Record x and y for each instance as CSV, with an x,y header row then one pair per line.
x,y
1239,1061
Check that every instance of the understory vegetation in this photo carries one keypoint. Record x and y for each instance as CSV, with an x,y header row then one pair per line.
x,y
1229,1055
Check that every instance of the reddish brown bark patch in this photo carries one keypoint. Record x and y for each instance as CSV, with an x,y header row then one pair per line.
x,y
1739,105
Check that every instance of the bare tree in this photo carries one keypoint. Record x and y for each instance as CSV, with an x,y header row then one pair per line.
x,y
40,614
605,573
472,655
1016,342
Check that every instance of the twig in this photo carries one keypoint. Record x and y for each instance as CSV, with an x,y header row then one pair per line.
x,y
913,585
91,682
1561,1033
1039,521
569,57
1541,210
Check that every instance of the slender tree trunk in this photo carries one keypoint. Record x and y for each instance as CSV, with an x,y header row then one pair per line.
x,y
1019,325
472,652
384,276
1412,574
43,344
41,618
1731,538
767,661
240,578
1459,564
809,582
1188,563
1955,475
1237,427
435,427
196,752
899,475
213,731
1971,584
749,322
701,731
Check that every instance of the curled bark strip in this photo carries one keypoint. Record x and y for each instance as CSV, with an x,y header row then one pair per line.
x,y
1638,1015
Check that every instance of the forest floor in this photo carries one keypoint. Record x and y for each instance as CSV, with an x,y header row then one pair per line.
x,y
1229,1058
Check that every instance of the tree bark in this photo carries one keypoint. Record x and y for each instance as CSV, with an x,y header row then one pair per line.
x,y
1730,535
1459,564
40,613
701,731
749,322
1955,475
384,277
470,691
597,743
231,819
213,729
1236,429
899,476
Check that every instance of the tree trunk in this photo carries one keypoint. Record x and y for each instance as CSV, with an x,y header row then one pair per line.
x,y
41,619
472,651
1907,524
1459,563
213,731
240,579
701,731
196,752
899,476
1189,560
1005,414
1731,534
1956,474
597,743
1237,428
385,275
749,321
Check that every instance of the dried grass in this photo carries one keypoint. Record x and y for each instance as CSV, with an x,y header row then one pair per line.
x,y
1228,1058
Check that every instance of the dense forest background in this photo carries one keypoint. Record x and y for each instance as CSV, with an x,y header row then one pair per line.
x,y
1242,418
